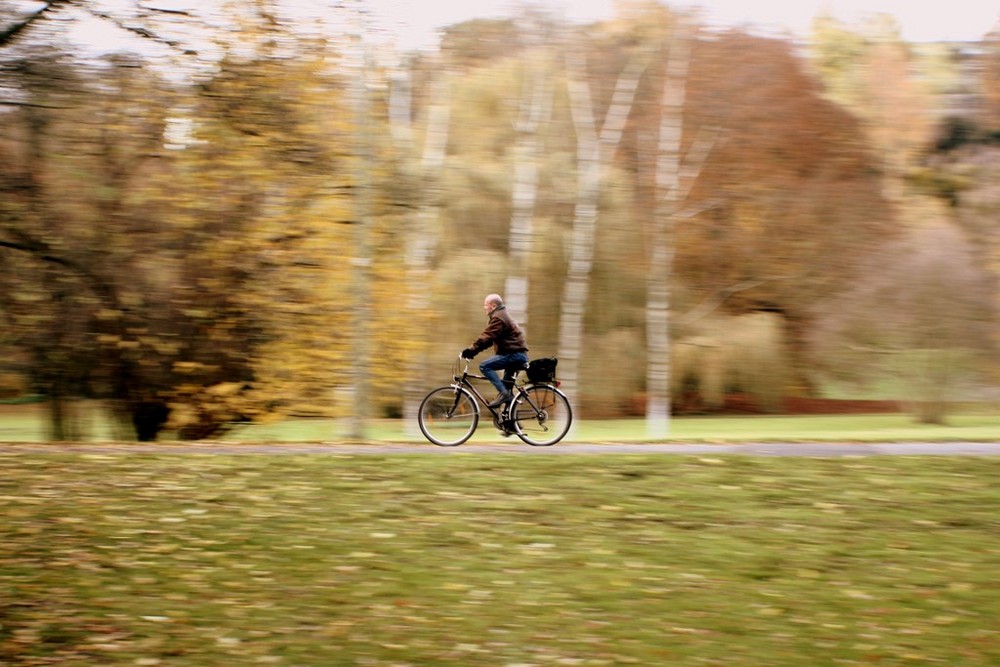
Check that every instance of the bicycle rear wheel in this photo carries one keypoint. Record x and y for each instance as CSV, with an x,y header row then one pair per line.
x,y
542,414
448,416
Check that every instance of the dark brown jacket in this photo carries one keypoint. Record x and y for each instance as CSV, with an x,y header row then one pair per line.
x,y
502,333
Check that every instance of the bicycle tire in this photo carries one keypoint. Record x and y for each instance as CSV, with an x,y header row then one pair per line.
x,y
448,416
549,423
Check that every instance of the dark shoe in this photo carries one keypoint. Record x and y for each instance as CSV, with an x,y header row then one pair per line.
x,y
505,427
500,399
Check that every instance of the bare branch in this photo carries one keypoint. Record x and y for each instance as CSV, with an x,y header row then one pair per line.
x,y
692,211
10,33
717,299
34,105
694,160
165,10
43,252
145,33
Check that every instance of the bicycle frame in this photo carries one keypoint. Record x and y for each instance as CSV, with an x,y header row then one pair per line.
x,y
463,380
536,412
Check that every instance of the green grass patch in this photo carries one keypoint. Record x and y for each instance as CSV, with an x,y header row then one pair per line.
x,y
468,561
778,428
28,424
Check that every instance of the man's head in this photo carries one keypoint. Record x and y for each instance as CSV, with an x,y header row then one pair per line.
x,y
491,303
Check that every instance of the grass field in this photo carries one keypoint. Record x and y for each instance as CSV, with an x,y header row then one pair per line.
x,y
27,424
498,561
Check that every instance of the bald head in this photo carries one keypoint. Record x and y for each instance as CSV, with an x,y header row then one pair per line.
x,y
492,302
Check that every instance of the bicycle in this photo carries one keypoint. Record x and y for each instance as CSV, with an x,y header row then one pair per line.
x,y
537,412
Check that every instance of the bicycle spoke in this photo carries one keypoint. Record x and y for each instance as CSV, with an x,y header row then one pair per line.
x,y
448,416
543,415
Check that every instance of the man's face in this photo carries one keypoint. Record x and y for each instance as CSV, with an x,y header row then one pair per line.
x,y
488,307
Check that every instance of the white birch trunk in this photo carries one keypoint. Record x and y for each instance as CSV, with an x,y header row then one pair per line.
x,y
357,426
675,176
536,109
422,238
595,148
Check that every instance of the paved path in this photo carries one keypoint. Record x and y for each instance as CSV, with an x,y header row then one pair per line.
x,y
829,449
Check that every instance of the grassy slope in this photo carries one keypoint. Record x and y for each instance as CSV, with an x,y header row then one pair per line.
x,y
212,561
27,424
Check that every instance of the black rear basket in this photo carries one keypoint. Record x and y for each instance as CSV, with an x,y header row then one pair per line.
x,y
542,370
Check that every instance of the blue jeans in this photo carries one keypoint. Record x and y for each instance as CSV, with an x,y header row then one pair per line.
x,y
508,362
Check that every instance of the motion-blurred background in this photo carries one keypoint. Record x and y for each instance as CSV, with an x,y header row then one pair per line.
x,y
237,211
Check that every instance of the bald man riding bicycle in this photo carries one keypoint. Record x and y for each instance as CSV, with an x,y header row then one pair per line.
x,y
509,347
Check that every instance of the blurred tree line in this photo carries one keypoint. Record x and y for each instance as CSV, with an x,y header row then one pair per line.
x,y
679,214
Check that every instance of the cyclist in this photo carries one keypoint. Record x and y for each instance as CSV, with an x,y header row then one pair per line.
x,y
510,349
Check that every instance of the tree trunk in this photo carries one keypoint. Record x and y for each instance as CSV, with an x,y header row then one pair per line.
x,y
668,200
536,108
59,429
422,238
676,174
928,375
362,259
595,149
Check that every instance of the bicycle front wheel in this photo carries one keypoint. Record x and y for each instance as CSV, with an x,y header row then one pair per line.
x,y
448,416
543,415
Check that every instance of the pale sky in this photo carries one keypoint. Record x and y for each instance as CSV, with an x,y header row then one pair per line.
x,y
921,20
415,21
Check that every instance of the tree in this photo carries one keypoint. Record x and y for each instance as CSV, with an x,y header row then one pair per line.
x,y
534,113
68,259
872,73
424,197
595,148
922,317
674,179
796,194
989,67
168,253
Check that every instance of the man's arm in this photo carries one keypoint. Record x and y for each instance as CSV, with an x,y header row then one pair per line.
x,y
490,333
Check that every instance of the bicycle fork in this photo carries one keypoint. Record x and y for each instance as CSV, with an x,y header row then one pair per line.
x,y
458,397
